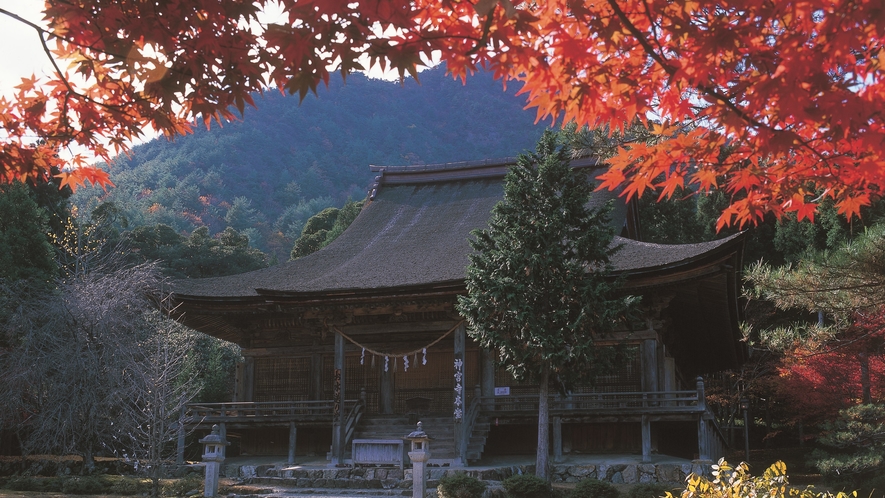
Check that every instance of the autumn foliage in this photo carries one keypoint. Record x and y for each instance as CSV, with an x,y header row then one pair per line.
x,y
816,385
779,103
818,375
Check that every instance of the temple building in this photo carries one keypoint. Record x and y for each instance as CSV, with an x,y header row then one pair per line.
x,y
347,347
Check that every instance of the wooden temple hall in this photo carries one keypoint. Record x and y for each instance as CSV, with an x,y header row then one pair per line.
x,y
345,349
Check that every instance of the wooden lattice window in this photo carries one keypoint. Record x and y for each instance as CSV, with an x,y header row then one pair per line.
x,y
435,380
627,377
282,379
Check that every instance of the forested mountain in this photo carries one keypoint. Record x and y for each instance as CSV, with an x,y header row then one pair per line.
x,y
266,174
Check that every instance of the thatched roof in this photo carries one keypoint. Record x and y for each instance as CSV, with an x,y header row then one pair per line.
x,y
414,232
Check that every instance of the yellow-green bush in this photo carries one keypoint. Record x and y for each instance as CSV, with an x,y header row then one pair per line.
x,y
736,482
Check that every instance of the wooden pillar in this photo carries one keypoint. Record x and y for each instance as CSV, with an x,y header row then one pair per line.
x,y
245,379
293,433
703,444
650,383
487,376
385,393
249,379
239,381
649,357
669,374
459,405
557,439
646,438
338,412
315,388
222,431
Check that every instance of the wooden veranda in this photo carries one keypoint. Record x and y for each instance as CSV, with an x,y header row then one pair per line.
x,y
642,407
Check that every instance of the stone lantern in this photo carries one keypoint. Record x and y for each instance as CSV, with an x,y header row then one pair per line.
x,y
419,454
213,454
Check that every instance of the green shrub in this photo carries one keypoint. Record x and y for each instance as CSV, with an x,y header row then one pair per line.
x,y
460,485
89,485
496,493
25,483
129,486
854,449
527,486
55,484
648,490
180,487
75,485
736,482
594,488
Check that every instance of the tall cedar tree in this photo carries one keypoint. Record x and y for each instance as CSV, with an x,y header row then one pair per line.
x,y
537,291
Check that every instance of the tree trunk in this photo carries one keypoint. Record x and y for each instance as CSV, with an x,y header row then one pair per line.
x,y
542,458
88,461
864,360
155,484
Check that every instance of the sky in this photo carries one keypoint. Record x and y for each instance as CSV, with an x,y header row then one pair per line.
x,y
22,54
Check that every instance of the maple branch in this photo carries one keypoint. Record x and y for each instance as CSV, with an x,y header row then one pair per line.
x,y
654,27
40,31
45,31
704,88
69,132
63,115
708,90
486,29
20,19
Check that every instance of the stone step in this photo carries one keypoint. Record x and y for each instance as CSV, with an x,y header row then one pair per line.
x,y
440,429
323,493
272,487
367,482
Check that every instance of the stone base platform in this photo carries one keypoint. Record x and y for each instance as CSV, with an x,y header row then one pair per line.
x,y
630,473
615,470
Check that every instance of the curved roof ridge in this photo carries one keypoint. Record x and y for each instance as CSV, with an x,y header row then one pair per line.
x,y
581,162
451,172
449,166
685,246
635,256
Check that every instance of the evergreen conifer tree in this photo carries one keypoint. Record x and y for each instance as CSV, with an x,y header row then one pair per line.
x,y
538,295
25,252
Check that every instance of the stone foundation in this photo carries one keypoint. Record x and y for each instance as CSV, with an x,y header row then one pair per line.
x,y
630,473
394,478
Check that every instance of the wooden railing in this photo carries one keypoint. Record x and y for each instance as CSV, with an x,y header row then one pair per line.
x,y
714,441
593,403
261,411
470,417
353,418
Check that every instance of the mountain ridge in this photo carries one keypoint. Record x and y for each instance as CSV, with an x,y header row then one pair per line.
x,y
267,173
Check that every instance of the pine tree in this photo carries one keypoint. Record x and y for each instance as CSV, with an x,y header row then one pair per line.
x,y
25,252
538,295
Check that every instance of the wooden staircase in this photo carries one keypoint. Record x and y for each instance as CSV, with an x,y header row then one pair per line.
x,y
477,442
439,428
